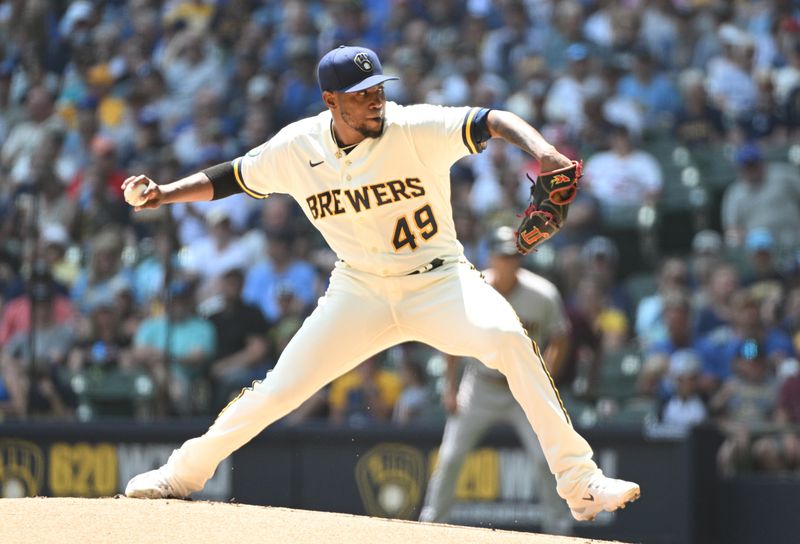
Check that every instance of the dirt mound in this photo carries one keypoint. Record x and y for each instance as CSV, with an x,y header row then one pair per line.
x,y
120,521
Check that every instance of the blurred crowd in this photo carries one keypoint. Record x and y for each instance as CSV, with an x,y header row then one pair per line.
x,y
679,265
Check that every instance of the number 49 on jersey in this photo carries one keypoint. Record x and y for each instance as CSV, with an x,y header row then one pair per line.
x,y
404,232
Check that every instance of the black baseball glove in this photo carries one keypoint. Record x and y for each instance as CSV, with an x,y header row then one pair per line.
x,y
551,194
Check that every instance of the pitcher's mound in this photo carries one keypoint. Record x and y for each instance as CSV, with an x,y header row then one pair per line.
x,y
122,521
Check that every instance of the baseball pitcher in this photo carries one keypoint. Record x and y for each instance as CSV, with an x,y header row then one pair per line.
x,y
373,177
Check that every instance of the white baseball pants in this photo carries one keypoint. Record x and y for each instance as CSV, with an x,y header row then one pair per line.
x,y
450,308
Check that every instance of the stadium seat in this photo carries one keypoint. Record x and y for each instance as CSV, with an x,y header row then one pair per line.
x,y
716,167
581,411
619,371
638,286
634,412
111,393
739,258
777,153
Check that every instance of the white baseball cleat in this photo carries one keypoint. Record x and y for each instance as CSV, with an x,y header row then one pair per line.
x,y
154,484
603,493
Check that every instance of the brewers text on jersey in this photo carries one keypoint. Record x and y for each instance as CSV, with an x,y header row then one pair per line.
x,y
331,202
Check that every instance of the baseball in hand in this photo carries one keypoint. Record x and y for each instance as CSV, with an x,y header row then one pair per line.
x,y
133,193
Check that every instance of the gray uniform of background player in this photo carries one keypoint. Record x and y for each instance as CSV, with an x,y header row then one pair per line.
x,y
485,400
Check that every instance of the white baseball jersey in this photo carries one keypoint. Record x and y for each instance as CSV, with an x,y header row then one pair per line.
x,y
384,208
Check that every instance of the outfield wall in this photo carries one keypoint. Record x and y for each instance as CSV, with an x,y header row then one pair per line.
x,y
383,472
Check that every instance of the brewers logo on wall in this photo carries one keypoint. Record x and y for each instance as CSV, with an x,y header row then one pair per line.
x,y
21,468
390,479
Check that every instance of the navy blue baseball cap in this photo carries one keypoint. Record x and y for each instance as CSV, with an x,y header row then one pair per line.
x,y
348,69
748,153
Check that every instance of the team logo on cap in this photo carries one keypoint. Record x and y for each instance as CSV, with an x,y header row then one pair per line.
x,y
363,62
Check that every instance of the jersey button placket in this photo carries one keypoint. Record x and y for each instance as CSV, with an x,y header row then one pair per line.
x,y
358,218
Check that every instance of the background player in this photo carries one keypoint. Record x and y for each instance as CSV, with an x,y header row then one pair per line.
x,y
484,399
373,178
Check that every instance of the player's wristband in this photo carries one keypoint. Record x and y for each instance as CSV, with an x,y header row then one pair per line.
x,y
223,180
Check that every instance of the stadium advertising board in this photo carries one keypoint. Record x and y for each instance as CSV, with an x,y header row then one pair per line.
x,y
376,471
